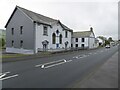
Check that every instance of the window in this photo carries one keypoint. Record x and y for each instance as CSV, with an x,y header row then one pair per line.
x,y
21,29
53,38
12,31
71,45
83,45
76,39
83,39
21,43
57,31
66,34
12,43
76,45
60,39
45,31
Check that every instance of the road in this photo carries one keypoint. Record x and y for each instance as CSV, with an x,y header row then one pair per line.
x,y
58,71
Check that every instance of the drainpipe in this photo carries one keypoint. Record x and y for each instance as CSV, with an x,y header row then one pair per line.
x,y
34,34
88,42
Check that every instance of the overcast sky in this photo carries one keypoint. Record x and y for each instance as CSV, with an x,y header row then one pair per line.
x,y
76,14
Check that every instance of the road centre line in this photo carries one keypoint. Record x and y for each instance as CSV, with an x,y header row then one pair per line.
x,y
9,77
39,65
53,64
56,64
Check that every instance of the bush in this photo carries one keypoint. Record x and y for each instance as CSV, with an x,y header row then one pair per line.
x,y
2,42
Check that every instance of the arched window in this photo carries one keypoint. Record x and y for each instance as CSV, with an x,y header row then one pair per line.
x,y
53,38
60,39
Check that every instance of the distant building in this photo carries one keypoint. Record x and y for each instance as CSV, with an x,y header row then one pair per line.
x,y
101,42
84,39
96,42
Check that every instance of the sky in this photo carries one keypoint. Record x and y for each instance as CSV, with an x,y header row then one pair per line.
x,y
78,15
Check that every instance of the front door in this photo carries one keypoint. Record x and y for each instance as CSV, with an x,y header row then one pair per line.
x,y
44,47
57,45
65,46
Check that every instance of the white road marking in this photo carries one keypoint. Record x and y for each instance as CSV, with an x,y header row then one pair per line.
x,y
9,77
38,65
80,57
56,64
4,73
69,61
41,65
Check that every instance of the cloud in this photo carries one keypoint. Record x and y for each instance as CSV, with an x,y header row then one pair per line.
x,y
78,15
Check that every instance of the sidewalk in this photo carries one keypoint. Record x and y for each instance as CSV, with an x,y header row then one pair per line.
x,y
105,77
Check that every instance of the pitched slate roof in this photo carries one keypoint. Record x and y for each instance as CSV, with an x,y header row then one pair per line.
x,y
82,34
37,17
40,18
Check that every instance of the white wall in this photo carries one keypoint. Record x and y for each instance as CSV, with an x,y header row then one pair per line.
x,y
80,42
18,50
91,41
40,37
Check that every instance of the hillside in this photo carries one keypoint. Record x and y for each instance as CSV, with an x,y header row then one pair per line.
x,y
2,33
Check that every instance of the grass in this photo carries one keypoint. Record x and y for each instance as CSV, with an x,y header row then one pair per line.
x,y
12,55
21,55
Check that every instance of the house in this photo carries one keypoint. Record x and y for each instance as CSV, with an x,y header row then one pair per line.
x,y
28,32
96,43
84,39
101,42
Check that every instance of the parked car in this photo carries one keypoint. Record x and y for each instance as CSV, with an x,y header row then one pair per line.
x,y
107,46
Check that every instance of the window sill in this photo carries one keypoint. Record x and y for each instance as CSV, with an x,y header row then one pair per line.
x,y
45,35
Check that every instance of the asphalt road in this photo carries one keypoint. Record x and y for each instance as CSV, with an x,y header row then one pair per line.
x,y
59,71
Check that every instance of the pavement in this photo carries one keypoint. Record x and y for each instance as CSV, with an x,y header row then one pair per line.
x,y
105,77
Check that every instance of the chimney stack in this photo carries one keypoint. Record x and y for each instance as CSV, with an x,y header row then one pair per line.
x,y
91,29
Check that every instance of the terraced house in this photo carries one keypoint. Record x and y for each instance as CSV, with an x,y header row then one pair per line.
x,y
28,32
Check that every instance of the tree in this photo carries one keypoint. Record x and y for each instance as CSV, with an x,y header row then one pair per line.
x,y
103,38
110,39
107,42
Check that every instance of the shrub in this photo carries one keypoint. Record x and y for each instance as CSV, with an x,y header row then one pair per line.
x,y
2,42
